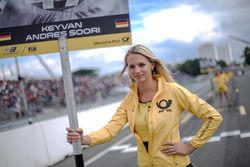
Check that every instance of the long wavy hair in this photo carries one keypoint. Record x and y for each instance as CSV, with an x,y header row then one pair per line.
x,y
159,70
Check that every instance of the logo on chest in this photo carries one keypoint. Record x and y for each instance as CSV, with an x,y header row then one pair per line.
x,y
164,105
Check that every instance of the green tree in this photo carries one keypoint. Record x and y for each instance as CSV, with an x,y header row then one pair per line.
x,y
86,72
221,63
190,67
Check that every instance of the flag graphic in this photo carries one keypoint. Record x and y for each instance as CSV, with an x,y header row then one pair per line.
x,y
121,23
5,36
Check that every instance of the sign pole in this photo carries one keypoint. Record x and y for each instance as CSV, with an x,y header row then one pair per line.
x,y
70,98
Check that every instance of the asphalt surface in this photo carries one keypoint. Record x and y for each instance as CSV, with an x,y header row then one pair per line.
x,y
229,147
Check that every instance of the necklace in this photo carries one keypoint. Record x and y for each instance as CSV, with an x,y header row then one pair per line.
x,y
146,97
147,92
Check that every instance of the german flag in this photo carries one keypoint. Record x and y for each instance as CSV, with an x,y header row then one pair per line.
x,y
121,23
5,36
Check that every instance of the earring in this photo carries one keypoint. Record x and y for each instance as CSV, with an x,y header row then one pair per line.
x,y
154,75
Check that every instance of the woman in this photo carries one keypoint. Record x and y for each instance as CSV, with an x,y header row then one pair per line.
x,y
152,109
221,81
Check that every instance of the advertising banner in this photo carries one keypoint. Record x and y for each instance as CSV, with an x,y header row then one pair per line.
x,y
207,65
31,27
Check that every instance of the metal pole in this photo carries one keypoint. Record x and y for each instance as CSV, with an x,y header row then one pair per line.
x,y
3,72
70,98
43,63
210,74
23,96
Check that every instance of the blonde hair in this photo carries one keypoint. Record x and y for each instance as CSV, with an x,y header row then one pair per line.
x,y
159,70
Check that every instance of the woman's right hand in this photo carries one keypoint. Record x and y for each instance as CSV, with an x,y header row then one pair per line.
x,y
75,135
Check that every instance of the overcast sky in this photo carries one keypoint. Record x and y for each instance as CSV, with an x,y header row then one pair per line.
x,y
173,29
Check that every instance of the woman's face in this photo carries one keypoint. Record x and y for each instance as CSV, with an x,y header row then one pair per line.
x,y
139,67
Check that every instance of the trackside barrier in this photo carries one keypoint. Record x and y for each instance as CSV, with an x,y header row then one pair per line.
x,y
44,143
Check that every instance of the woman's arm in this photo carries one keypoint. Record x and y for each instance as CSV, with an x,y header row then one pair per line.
x,y
113,127
103,135
200,108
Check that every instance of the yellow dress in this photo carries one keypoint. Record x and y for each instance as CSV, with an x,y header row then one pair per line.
x,y
221,81
229,75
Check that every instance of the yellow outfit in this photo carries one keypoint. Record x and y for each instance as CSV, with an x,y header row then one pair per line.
x,y
221,81
169,102
229,75
141,122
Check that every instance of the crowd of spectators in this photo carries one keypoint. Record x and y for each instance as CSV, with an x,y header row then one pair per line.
x,y
42,94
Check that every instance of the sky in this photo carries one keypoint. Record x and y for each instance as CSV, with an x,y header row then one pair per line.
x,y
172,29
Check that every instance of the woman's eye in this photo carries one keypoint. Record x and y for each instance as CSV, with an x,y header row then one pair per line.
x,y
131,67
141,65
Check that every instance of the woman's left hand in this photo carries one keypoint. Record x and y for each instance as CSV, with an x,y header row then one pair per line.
x,y
172,148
